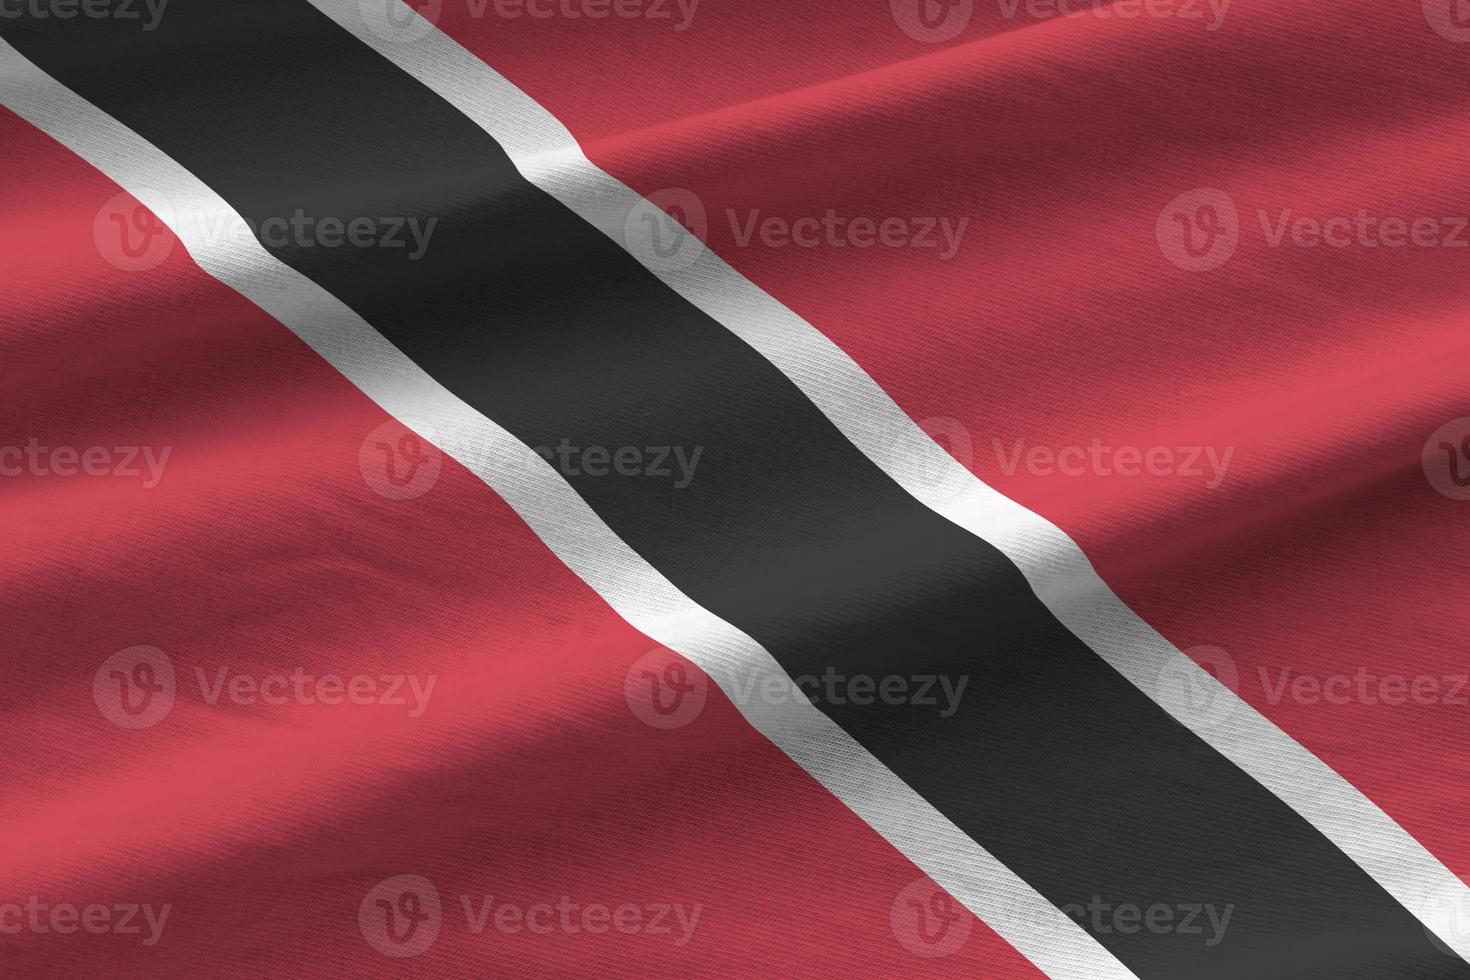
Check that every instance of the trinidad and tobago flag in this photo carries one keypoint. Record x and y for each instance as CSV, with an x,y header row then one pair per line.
x,y
735,488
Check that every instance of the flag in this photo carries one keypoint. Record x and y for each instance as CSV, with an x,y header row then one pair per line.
x,y
704,488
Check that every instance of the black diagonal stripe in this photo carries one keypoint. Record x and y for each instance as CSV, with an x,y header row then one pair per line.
x,y
1053,762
